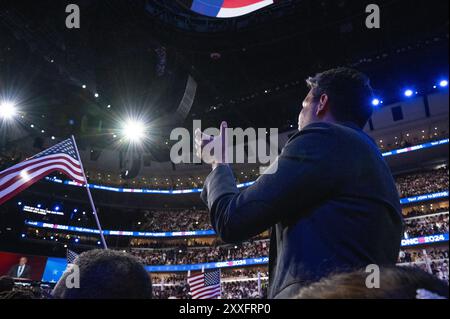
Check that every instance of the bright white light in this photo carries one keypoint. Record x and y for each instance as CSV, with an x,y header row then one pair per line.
x,y
443,83
409,93
7,110
376,102
96,95
84,86
134,130
24,175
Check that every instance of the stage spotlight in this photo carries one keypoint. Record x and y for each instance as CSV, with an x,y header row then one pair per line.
x,y
409,93
376,102
57,208
7,110
134,130
443,83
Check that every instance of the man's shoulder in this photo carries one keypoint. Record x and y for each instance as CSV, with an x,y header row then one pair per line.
x,y
328,133
330,139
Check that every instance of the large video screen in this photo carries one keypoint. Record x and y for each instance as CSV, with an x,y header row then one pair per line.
x,y
33,270
54,269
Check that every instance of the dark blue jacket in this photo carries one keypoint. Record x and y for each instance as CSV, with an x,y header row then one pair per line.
x,y
332,203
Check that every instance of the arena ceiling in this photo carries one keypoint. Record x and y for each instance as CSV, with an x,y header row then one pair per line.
x,y
137,56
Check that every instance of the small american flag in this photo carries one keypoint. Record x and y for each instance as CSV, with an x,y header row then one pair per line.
x,y
205,285
71,255
62,157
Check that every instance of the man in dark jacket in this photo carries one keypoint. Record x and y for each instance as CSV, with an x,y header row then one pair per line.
x,y
21,270
332,203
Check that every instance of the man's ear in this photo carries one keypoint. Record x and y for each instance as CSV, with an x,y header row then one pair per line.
x,y
322,106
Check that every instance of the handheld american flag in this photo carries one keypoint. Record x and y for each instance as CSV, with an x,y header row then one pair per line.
x,y
205,285
62,157
71,256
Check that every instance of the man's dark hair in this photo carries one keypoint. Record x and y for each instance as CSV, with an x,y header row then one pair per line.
x,y
349,94
6,283
395,283
107,274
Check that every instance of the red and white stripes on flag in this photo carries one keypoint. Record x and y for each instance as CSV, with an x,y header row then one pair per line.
x,y
62,157
205,285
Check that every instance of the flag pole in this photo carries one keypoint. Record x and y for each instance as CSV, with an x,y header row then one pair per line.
x,y
90,197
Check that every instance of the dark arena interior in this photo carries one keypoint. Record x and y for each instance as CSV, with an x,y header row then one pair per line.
x,y
109,94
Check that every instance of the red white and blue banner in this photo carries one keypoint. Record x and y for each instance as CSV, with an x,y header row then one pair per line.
x,y
228,8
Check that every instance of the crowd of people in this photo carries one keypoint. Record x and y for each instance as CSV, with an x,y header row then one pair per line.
x,y
439,269
185,220
423,183
410,184
239,273
124,277
202,255
243,290
426,226
433,260
418,255
422,211
171,292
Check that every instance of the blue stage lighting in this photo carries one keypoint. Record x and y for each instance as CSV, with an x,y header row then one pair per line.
x,y
376,102
443,83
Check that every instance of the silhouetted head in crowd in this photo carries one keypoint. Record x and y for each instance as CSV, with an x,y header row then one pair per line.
x,y
106,274
395,283
6,283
